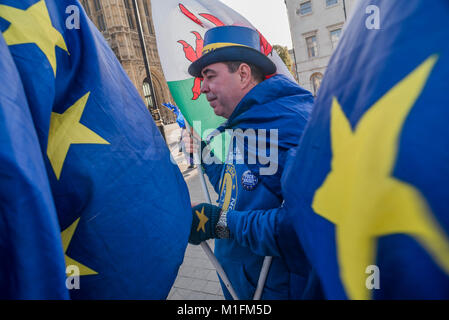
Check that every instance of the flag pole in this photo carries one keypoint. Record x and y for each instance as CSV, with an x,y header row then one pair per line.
x,y
205,245
207,250
154,109
219,269
262,277
266,262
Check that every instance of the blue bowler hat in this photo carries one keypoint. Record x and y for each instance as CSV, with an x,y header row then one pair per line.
x,y
232,43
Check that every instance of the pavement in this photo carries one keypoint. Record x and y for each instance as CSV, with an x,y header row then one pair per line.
x,y
197,278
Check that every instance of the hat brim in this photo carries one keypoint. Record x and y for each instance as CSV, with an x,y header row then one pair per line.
x,y
233,53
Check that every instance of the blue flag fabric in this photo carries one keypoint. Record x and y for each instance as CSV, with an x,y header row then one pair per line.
x,y
368,187
123,207
179,117
30,241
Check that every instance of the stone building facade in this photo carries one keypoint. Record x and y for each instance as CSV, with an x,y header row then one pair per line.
x,y
315,27
117,22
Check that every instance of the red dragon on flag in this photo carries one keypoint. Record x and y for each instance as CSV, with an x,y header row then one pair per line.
x,y
193,54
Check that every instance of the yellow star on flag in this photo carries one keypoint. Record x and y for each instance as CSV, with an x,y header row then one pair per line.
x,y
33,25
203,220
360,195
66,236
65,130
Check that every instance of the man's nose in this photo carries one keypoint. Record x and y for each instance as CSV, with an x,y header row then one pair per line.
x,y
204,87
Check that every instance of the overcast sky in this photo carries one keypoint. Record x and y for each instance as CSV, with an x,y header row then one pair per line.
x,y
268,16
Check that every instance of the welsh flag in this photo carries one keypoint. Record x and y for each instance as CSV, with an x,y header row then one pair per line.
x,y
180,27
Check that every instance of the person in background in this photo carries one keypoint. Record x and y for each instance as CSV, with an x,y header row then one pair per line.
x,y
181,123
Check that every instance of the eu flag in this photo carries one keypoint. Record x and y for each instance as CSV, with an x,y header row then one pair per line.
x,y
96,162
368,188
31,256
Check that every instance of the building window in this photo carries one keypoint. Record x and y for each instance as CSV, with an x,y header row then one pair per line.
x,y
147,95
86,7
129,14
305,8
335,37
148,16
316,79
330,3
130,20
97,17
101,23
312,46
149,100
97,5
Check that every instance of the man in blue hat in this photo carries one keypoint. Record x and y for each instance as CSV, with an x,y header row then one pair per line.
x,y
270,112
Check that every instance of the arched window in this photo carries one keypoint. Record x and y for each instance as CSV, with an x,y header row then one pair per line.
x,y
149,101
164,114
316,79
147,95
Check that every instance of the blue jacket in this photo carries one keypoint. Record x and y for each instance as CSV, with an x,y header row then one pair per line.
x,y
251,190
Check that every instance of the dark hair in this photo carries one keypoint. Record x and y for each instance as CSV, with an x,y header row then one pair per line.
x,y
256,73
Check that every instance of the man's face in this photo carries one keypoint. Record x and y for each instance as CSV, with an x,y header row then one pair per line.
x,y
222,88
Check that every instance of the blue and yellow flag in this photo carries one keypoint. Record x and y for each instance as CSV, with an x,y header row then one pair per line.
x,y
367,192
31,257
82,154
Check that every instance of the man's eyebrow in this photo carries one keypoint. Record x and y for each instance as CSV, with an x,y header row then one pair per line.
x,y
205,72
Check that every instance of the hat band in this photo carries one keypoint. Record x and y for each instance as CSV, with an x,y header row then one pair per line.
x,y
218,45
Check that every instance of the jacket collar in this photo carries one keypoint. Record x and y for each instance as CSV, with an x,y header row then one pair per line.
x,y
265,92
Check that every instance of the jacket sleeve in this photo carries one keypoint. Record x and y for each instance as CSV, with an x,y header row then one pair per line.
x,y
255,229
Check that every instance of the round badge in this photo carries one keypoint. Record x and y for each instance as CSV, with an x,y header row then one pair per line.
x,y
249,180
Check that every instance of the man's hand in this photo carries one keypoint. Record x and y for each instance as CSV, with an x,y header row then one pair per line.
x,y
191,142
205,218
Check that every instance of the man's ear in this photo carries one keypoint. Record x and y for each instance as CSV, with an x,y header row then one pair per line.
x,y
245,74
